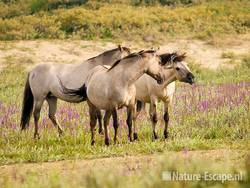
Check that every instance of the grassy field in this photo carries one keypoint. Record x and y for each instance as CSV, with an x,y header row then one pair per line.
x,y
209,121
211,115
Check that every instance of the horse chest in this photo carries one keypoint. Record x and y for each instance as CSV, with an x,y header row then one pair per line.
x,y
163,95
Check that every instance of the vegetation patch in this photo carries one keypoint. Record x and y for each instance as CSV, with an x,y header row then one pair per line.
x,y
125,22
212,114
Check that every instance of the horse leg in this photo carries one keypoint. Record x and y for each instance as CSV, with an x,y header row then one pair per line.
x,y
135,134
166,120
153,117
36,114
99,117
52,102
115,124
130,112
139,106
93,118
106,122
92,113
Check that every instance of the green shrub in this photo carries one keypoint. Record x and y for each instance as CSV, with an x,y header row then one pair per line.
x,y
54,4
37,5
13,10
115,21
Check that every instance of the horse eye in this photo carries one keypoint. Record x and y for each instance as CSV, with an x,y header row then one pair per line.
x,y
177,68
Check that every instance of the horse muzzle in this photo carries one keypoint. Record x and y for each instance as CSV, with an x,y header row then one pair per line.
x,y
160,81
190,79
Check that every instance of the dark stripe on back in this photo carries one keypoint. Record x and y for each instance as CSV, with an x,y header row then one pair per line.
x,y
140,53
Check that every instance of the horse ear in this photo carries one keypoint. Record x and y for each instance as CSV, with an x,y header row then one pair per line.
x,y
184,55
180,58
120,47
173,57
155,48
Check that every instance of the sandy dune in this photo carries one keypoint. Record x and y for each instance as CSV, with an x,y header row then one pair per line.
x,y
29,53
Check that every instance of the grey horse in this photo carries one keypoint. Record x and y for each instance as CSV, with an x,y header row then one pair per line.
x,y
43,84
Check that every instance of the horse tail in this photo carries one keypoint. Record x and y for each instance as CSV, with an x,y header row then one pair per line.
x,y
28,102
80,93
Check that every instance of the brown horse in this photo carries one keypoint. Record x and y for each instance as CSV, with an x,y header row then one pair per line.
x,y
113,88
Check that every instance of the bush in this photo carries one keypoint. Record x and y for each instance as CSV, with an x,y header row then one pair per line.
x,y
13,10
37,5
115,21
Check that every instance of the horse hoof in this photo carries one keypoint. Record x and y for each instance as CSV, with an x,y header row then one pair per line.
x,y
116,141
130,138
135,136
61,133
155,136
92,142
36,136
100,132
107,142
165,135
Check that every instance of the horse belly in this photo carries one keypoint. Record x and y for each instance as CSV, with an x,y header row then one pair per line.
x,y
102,103
98,94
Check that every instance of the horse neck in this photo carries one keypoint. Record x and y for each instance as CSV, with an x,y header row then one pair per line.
x,y
128,72
169,77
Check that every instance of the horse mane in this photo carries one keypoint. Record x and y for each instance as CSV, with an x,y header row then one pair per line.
x,y
126,49
110,51
169,57
166,58
135,54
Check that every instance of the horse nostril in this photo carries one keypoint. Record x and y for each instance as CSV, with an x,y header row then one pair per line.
x,y
190,79
190,76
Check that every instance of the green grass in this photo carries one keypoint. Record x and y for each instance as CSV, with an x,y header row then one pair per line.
x,y
18,148
200,130
124,21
